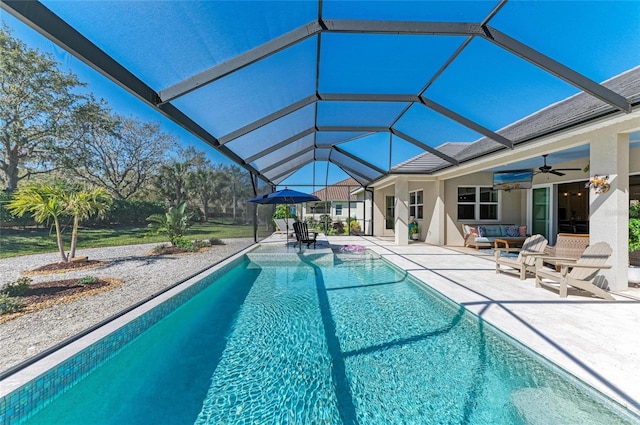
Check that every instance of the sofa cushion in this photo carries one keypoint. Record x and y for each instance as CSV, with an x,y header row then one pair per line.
x,y
493,231
513,231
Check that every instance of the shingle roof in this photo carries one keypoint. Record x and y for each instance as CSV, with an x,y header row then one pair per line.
x,y
429,161
338,191
561,115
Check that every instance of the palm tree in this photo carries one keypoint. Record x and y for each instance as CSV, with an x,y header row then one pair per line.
x,y
44,202
174,222
82,205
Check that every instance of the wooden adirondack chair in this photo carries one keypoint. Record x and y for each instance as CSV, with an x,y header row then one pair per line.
x,y
303,235
525,262
580,273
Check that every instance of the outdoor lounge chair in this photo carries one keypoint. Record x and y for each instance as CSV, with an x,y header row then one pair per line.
x,y
282,226
568,245
526,261
580,273
303,235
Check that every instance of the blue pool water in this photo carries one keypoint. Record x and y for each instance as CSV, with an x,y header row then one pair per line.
x,y
358,342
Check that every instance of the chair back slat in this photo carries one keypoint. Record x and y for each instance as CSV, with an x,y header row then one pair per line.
x,y
595,255
534,243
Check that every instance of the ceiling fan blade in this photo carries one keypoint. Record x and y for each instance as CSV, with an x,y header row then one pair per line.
x,y
557,173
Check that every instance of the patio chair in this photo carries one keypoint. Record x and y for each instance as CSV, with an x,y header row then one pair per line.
x,y
580,273
282,226
568,245
526,261
303,235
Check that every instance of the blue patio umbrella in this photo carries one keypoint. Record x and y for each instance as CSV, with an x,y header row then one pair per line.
x,y
285,196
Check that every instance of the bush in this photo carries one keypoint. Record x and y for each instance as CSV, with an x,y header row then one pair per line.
x,y
185,244
338,226
634,227
124,211
325,222
88,280
9,219
18,288
10,304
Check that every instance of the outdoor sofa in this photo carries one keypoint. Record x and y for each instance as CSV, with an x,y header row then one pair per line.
x,y
485,235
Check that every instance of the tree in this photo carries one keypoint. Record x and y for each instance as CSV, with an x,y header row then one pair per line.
x,y
174,222
82,205
113,152
239,186
207,185
172,182
36,102
44,202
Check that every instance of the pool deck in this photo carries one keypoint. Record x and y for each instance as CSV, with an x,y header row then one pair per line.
x,y
596,340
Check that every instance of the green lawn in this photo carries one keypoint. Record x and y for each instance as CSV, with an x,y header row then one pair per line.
x,y
33,241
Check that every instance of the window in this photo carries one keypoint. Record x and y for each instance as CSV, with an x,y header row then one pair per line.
x,y
477,203
416,204
338,209
320,208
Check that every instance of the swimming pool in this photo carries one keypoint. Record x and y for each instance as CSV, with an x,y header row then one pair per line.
x,y
311,342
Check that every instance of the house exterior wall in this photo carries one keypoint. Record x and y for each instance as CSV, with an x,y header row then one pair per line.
x,y
511,205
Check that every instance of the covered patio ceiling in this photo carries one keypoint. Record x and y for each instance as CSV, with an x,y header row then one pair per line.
x,y
276,86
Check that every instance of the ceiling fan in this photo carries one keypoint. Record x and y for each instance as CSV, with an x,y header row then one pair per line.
x,y
549,169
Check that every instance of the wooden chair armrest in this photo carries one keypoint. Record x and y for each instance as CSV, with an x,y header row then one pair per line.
x,y
533,254
548,257
585,266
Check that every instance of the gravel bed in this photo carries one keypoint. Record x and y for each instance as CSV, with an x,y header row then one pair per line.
x,y
142,275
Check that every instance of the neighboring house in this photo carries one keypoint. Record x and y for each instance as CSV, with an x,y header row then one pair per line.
x,y
340,201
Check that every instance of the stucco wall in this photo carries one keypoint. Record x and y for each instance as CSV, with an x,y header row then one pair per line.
x,y
511,205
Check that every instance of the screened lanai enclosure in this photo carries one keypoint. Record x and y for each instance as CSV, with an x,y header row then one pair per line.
x,y
306,93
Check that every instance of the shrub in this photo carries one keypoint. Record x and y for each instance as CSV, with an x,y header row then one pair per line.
x,y
9,304
124,211
634,227
7,218
159,248
354,225
338,226
18,288
88,280
185,244
215,241
325,222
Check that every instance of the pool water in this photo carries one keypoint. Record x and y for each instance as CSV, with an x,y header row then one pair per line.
x,y
358,342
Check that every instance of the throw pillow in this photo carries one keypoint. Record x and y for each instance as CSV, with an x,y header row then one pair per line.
x,y
473,231
513,231
523,231
482,232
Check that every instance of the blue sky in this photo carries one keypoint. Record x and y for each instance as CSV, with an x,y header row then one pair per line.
x,y
165,42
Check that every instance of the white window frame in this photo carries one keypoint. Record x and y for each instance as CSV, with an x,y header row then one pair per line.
x,y
414,206
341,209
477,203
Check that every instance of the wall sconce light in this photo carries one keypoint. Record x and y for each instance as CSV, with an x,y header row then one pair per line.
x,y
566,194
